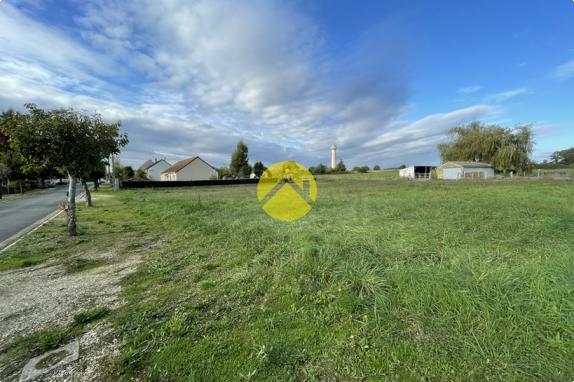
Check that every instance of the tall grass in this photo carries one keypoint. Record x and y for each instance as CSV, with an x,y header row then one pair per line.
x,y
383,280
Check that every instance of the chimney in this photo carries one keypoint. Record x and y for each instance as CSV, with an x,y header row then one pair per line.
x,y
333,156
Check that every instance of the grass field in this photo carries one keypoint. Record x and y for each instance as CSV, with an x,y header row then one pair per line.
x,y
383,280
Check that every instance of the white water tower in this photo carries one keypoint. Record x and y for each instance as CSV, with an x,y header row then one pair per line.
x,y
333,156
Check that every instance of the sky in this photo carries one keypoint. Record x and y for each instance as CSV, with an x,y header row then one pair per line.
x,y
384,80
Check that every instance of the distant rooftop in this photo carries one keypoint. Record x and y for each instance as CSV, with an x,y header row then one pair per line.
x,y
147,164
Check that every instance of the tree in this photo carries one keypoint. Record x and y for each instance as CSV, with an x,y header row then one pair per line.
x,y
66,140
128,173
224,172
318,170
341,167
505,149
362,169
4,172
19,169
259,168
239,165
140,174
376,168
563,157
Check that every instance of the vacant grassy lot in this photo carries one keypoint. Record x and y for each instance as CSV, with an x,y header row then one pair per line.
x,y
383,280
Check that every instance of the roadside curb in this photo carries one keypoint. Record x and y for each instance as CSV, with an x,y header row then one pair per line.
x,y
31,228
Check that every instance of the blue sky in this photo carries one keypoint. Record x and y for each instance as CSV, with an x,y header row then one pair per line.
x,y
384,80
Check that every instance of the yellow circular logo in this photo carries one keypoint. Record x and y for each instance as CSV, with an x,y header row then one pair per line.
x,y
287,191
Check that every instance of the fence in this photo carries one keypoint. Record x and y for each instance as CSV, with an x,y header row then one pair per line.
x,y
190,183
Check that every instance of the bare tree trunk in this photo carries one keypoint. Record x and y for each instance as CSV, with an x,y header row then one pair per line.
x,y
88,193
72,205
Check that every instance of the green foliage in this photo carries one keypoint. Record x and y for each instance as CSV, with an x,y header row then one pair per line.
x,y
15,164
341,167
563,157
377,167
503,148
239,165
64,139
362,169
140,175
91,315
320,169
259,168
224,172
128,173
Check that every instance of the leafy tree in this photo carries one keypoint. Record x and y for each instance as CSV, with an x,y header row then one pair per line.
x,y
341,167
128,173
377,167
96,173
4,172
505,149
402,166
66,140
318,170
239,165
362,169
224,172
19,169
563,157
141,175
259,168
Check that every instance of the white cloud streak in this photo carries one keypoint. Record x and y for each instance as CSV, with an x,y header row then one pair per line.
x,y
565,71
470,89
507,95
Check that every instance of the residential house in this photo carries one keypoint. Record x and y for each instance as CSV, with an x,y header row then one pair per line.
x,y
193,168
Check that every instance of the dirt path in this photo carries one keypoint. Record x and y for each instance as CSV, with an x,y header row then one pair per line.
x,y
49,295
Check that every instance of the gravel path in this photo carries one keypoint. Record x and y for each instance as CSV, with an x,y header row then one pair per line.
x,y
47,296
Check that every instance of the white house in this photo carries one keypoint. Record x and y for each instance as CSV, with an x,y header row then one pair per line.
x,y
193,168
153,169
416,172
462,170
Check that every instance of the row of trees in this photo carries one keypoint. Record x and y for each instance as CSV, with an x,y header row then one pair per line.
x,y
321,169
60,141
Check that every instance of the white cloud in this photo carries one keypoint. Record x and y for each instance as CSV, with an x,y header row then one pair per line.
x,y
565,71
506,95
470,89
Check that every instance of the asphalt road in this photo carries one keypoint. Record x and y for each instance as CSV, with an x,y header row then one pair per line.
x,y
17,214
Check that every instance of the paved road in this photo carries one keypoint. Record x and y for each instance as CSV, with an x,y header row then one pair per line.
x,y
18,214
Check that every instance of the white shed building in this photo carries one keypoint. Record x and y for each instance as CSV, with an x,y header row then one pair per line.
x,y
190,169
462,170
416,172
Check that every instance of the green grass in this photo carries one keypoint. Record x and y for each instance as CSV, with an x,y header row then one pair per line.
x,y
91,315
104,228
383,280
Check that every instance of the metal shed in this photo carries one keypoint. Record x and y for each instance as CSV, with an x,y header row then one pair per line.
x,y
416,172
461,170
